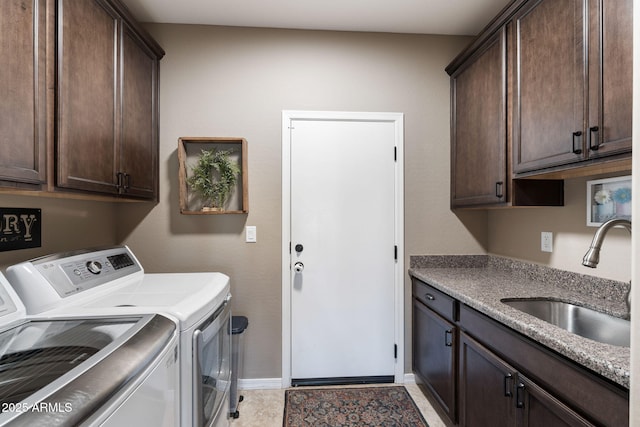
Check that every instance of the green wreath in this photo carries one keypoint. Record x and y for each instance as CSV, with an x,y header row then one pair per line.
x,y
214,177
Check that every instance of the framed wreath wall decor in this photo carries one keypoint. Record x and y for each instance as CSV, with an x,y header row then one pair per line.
x,y
213,175
213,178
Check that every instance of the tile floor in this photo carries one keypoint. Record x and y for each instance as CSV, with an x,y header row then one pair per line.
x,y
265,408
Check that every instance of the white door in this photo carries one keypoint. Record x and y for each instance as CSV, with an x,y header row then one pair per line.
x,y
343,232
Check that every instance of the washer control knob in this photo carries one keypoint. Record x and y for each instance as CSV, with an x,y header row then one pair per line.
x,y
94,267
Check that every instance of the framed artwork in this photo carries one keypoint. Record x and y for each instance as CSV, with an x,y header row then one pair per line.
x,y
608,198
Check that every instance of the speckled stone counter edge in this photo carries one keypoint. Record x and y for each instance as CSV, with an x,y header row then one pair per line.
x,y
595,287
480,281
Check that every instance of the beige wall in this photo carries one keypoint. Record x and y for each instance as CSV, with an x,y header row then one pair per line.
x,y
66,225
516,233
218,81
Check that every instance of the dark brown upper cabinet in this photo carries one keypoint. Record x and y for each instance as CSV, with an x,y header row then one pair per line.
x,y
542,94
23,93
139,146
610,78
478,127
87,96
572,89
481,121
549,84
107,139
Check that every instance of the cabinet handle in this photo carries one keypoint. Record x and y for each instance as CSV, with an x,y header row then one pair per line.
x,y
429,297
126,182
448,338
499,189
593,132
577,134
520,395
507,386
119,182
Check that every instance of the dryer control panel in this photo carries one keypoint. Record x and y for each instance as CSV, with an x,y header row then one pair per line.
x,y
87,270
84,270
49,280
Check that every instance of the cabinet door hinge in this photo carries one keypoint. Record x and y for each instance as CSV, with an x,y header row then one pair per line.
x,y
395,252
395,154
395,351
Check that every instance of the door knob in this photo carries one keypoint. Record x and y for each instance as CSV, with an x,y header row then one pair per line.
x,y
298,267
299,248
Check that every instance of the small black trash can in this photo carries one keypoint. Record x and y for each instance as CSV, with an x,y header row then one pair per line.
x,y
238,326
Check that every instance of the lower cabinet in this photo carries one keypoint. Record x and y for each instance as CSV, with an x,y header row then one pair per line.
x,y
493,393
477,372
434,356
486,387
536,407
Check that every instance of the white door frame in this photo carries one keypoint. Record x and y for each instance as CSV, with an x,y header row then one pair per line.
x,y
398,120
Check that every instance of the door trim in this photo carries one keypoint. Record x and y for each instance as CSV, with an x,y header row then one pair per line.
x,y
398,120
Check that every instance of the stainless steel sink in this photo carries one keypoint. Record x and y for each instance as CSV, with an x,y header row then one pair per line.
x,y
582,321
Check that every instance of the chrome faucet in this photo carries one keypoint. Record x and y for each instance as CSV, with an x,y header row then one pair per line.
x,y
592,257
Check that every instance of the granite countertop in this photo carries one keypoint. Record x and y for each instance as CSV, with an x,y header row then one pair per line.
x,y
482,281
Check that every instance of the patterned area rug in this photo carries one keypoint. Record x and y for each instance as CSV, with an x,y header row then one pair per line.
x,y
364,406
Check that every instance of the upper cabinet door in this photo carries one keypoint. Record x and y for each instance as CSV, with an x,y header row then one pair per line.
x,y
610,77
139,146
550,84
87,95
23,91
478,126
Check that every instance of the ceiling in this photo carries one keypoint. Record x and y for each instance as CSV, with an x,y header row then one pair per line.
x,y
461,17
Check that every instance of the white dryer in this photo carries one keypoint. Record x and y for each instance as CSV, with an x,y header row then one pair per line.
x,y
112,281
86,371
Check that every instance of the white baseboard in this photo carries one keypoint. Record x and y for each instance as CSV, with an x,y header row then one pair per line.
x,y
276,383
409,378
259,383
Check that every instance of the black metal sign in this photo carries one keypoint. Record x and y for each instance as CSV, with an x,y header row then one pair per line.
x,y
20,228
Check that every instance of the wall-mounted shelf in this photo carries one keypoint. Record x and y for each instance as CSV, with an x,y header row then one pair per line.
x,y
189,150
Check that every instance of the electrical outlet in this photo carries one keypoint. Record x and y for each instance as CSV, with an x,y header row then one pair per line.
x,y
250,235
546,241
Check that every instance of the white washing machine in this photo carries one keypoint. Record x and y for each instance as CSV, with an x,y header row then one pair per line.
x,y
86,371
112,281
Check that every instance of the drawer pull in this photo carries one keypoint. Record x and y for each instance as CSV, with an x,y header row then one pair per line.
x,y
429,297
520,396
448,338
507,385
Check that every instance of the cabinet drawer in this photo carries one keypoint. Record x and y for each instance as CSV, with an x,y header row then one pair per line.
x,y
434,299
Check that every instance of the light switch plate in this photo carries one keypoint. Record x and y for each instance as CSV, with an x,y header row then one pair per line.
x,y
546,241
250,235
